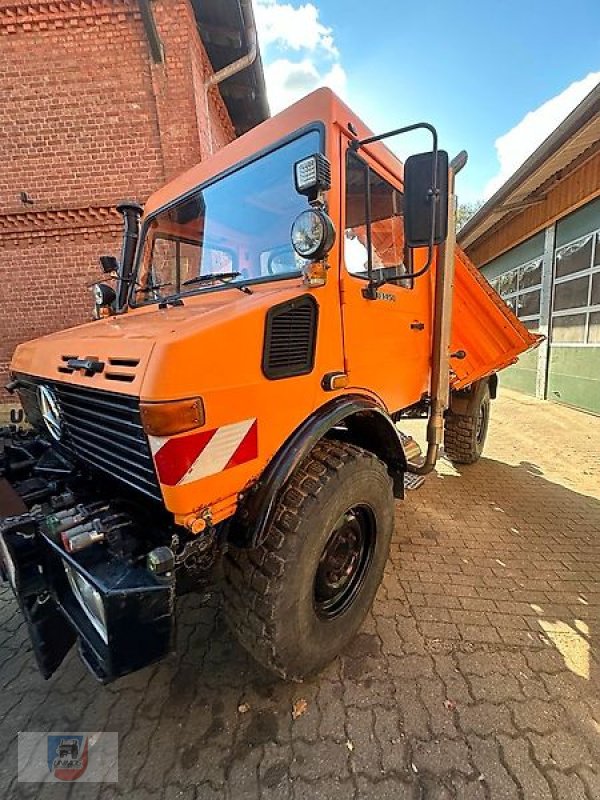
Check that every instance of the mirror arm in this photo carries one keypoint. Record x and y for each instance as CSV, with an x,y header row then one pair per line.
x,y
370,292
407,275
370,288
355,144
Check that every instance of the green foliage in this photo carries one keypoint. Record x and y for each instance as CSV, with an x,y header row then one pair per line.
x,y
465,211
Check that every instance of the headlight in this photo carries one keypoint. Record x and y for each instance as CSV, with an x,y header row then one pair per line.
x,y
90,601
104,295
313,234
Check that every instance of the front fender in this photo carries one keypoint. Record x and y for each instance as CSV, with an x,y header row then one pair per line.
x,y
366,424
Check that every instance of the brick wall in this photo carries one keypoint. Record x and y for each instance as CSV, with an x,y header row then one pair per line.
x,y
88,119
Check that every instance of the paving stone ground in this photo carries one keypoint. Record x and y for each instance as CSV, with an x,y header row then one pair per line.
x,y
475,677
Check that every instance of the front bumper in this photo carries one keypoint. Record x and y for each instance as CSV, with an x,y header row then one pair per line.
x,y
135,625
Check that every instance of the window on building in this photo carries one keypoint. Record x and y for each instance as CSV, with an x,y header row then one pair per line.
x,y
531,275
520,288
571,294
574,257
595,294
576,303
569,328
386,223
594,328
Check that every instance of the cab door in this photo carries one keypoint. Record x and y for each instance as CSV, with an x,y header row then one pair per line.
x,y
386,339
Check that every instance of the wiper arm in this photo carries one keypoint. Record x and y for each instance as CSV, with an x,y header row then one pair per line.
x,y
151,287
212,276
170,301
223,277
163,302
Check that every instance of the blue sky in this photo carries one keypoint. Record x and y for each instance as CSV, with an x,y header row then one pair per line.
x,y
494,77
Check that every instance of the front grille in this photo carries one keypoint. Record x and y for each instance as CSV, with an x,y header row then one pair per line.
x,y
105,431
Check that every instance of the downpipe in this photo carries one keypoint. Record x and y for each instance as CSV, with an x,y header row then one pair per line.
x,y
247,60
229,70
440,360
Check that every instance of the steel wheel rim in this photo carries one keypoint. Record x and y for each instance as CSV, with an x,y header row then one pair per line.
x,y
344,562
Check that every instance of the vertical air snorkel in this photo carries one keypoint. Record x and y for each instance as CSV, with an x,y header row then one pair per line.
x,y
131,212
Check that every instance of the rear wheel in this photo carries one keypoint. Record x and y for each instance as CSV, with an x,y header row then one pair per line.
x,y
465,434
298,599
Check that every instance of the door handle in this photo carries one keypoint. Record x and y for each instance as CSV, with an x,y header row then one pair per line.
x,y
417,326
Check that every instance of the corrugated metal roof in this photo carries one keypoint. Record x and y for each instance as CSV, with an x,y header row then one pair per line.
x,y
223,34
577,137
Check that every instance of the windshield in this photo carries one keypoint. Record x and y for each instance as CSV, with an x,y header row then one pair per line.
x,y
235,231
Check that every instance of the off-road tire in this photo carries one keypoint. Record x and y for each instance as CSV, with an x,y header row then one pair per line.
x,y
464,435
269,592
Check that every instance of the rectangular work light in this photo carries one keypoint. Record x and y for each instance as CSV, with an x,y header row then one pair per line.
x,y
312,175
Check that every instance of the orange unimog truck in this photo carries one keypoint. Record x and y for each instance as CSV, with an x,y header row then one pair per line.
x,y
233,417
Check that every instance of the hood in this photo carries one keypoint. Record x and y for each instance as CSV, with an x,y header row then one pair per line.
x,y
124,344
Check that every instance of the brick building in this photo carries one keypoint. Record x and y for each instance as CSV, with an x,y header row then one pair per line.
x,y
102,100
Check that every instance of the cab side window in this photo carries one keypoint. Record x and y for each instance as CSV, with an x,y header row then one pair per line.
x,y
378,224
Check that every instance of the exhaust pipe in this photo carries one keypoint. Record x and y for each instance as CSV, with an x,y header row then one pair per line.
x,y
131,212
440,357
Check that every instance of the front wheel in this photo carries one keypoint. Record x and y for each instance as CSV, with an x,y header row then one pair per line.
x,y
465,434
295,601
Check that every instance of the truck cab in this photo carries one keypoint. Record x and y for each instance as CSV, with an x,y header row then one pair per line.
x,y
274,315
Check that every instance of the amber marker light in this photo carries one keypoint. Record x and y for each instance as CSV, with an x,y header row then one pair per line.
x,y
173,416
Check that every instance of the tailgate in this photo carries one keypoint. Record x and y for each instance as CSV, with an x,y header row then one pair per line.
x,y
483,326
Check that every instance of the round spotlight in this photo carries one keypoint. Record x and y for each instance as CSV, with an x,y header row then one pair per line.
x,y
313,234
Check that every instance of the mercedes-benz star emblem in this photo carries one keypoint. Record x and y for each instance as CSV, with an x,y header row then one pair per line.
x,y
50,411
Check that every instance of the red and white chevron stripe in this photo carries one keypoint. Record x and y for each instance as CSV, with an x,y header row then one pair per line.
x,y
183,459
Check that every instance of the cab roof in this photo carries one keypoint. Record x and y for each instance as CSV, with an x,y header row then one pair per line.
x,y
321,105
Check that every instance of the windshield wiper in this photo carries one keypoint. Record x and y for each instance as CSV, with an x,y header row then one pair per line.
x,y
224,277
169,301
212,276
151,287
163,302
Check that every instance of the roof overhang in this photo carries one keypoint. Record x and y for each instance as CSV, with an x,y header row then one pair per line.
x,y
576,140
223,31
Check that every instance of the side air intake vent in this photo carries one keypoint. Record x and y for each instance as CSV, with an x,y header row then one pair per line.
x,y
290,338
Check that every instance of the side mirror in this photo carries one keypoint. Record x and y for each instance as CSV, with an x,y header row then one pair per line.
x,y
109,264
419,204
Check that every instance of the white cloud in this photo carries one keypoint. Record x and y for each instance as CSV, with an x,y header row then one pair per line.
x,y
285,29
293,28
515,146
288,81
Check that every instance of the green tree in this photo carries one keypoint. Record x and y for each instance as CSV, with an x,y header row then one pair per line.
x,y
465,211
